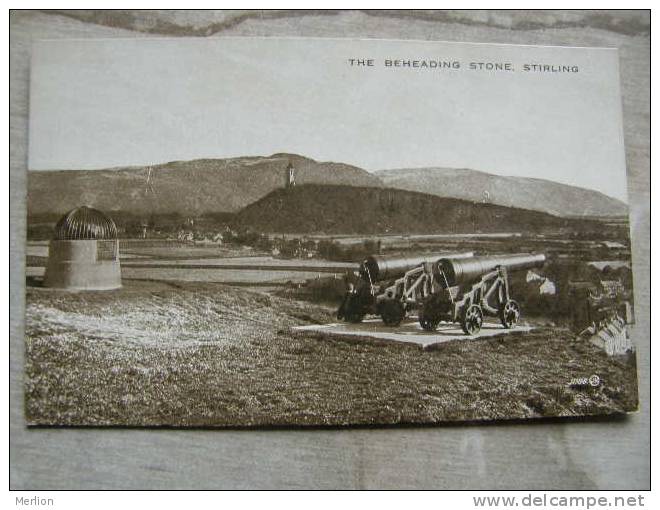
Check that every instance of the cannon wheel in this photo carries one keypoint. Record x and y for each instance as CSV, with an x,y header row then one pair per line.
x,y
427,323
354,317
392,312
510,314
472,320
350,309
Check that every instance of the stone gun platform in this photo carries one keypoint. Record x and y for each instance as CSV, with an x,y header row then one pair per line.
x,y
410,331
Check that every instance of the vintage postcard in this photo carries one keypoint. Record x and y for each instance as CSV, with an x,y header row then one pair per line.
x,y
309,232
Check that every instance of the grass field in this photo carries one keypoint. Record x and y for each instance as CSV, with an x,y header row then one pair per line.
x,y
200,263
205,354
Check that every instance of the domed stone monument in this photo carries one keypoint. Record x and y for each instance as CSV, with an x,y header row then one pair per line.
x,y
84,252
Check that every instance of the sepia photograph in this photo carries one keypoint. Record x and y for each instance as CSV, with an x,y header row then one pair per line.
x,y
294,232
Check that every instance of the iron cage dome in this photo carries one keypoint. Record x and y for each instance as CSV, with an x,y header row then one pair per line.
x,y
84,252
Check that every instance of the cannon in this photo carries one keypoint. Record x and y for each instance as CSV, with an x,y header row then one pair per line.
x,y
468,289
410,281
388,267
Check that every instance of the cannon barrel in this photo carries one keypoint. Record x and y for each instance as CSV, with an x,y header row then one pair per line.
x,y
463,270
387,267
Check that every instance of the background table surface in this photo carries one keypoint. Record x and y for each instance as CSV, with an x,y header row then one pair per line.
x,y
611,453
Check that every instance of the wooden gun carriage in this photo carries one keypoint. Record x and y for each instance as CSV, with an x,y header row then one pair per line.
x,y
456,288
469,289
408,280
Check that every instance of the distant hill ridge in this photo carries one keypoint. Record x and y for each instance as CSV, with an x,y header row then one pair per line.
x,y
201,186
524,192
186,187
331,209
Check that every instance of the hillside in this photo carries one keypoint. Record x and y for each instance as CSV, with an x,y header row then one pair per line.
x,y
185,187
526,193
359,210
194,354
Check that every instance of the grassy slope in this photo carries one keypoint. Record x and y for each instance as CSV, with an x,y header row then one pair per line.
x,y
332,209
209,355
185,187
523,192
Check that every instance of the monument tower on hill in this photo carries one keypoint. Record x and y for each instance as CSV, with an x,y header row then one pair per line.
x,y
290,176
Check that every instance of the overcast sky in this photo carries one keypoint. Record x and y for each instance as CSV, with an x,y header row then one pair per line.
x,y
105,103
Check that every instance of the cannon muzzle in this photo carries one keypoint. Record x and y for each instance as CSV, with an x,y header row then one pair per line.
x,y
388,267
468,270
